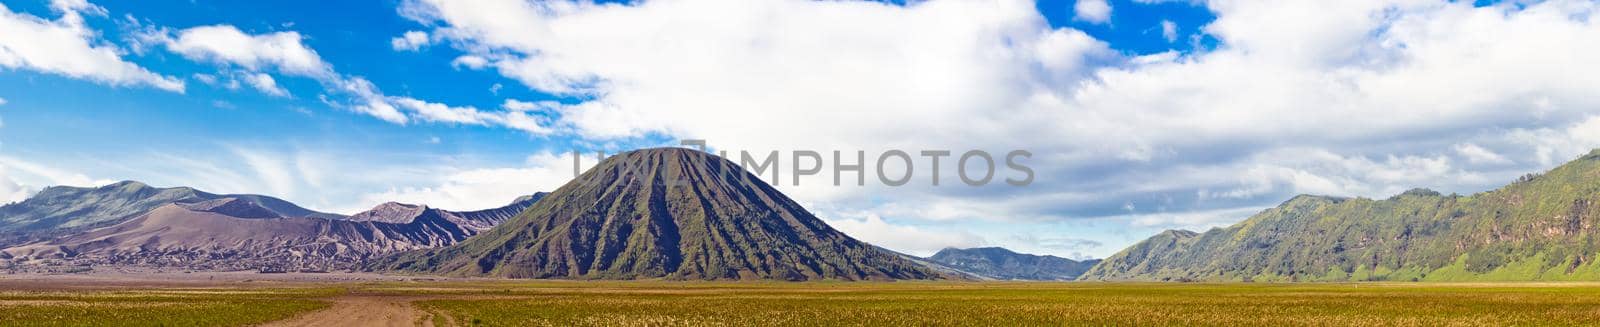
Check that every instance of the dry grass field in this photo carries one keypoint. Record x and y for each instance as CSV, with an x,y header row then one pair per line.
x,y
662,303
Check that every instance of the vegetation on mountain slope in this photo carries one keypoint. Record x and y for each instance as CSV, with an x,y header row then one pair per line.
x,y
1542,227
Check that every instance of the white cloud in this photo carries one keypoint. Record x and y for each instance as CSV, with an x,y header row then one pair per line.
x,y
1169,31
510,118
410,41
1398,87
522,121
470,61
325,179
436,112
519,105
11,191
1479,155
266,84
1553,145
1321,172
1070,248
1254,116
285,53
65,6
480,188
912,240
274,172
20,178
1093,11
206,78
226,44
3,101
862,72
1198,221
66,46
368,99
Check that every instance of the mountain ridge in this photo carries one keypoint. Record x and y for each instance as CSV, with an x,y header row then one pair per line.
x,y
1003,264
237,234
62,210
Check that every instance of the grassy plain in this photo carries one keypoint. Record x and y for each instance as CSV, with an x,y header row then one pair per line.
x,y
661,303
156,307
1014,304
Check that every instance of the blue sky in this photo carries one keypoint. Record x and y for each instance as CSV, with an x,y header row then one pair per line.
x,y
1143,115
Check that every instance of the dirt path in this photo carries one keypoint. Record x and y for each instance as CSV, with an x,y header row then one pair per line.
x,y
363,310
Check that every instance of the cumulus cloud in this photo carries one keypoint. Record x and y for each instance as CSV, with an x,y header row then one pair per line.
x,y
1093,11
410,41
286,53
864,75
281,51
470,62
68,47
266,84
1391,86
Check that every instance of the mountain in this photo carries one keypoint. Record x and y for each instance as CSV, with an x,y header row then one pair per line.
x,y
1541,227
1002,264
944,271
239,233
477,221
61,210
663,213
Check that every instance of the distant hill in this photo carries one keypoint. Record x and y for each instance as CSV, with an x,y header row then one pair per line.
x,y
944,271
236,233
61,210
1542,227
1002,264
477,221
663,213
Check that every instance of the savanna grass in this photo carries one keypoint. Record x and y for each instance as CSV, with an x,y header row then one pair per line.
x,y
1014,304
157,307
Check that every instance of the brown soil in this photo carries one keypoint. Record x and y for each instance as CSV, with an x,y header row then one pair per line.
x,y
363,310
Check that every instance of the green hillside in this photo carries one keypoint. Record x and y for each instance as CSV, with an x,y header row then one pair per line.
x,y
1542,227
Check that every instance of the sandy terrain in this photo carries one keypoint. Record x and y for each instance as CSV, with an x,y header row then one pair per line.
x,y
346,310
362,310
